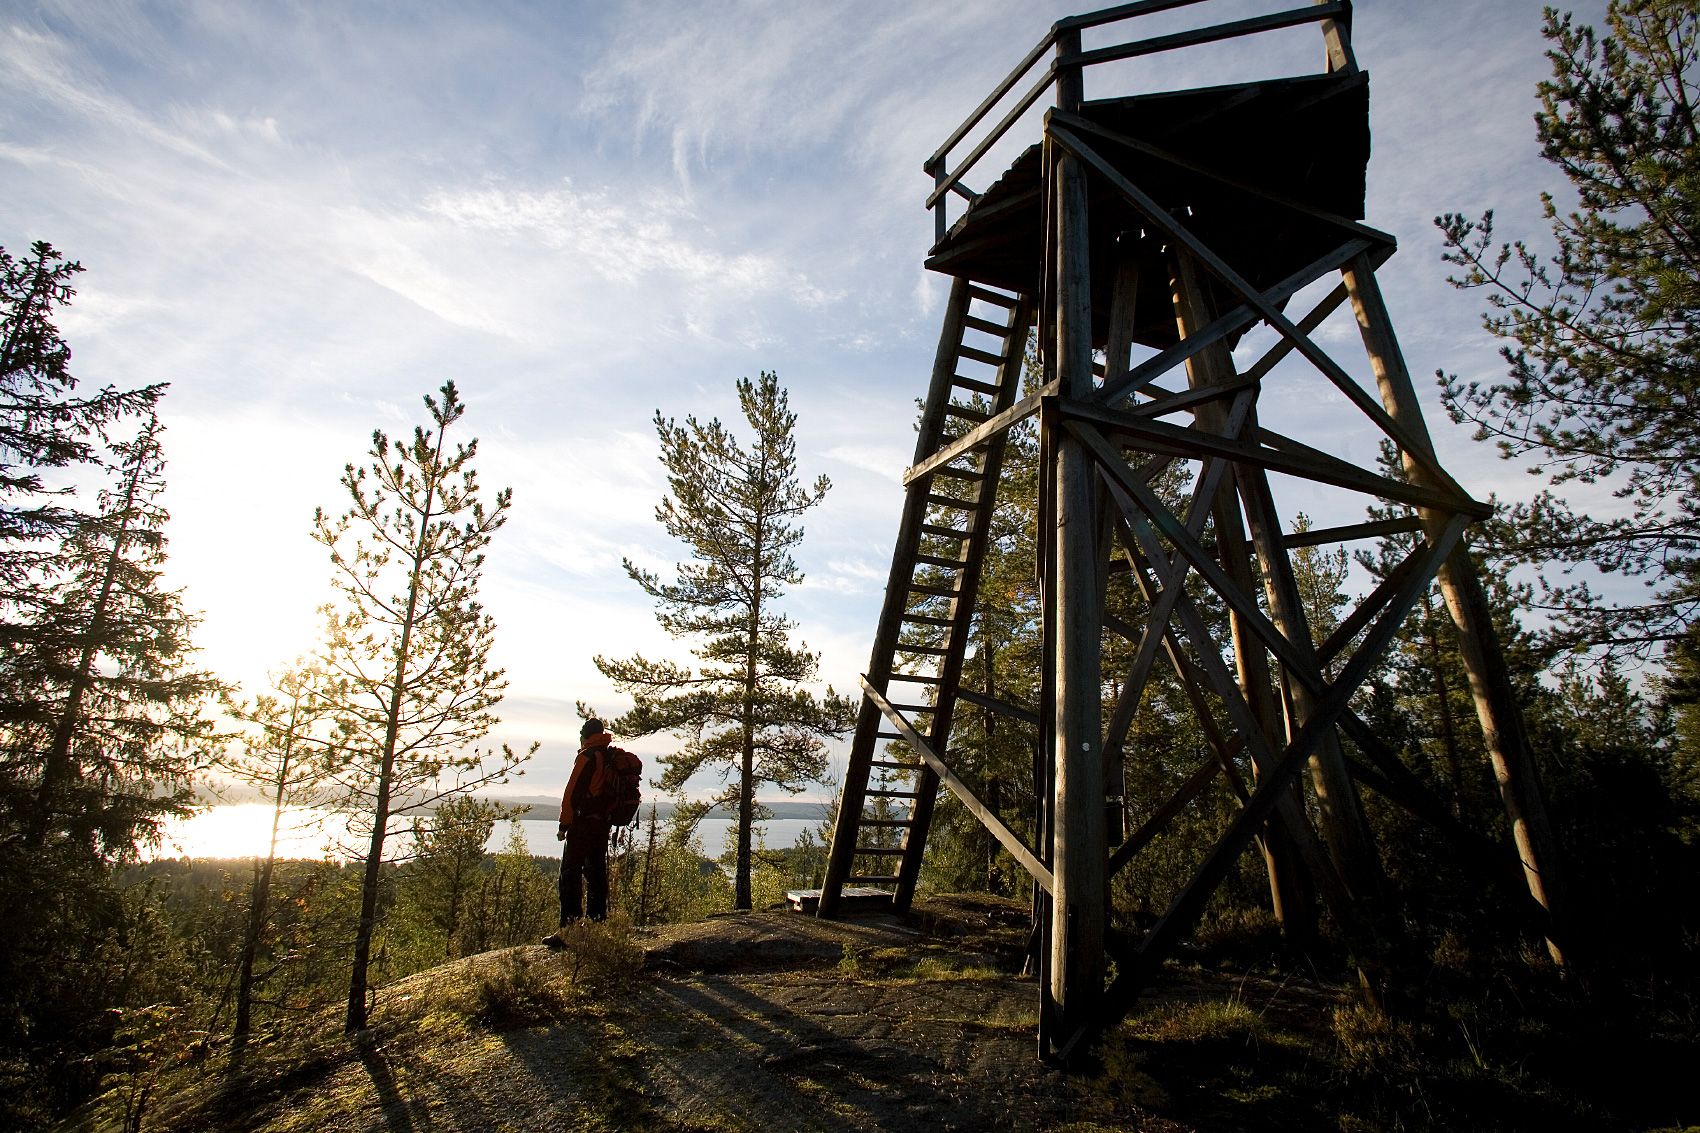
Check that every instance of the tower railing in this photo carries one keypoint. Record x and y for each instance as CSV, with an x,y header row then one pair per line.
x,y
1068,60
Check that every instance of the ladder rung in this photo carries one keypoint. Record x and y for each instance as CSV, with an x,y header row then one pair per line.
x,y
1007,301
979,355
884,822
951,502
930,650
943,532
940,561
917,678
927,620
881,851
893,765
888,736
958,473
912,707
941,591
977,386
874,880
977,323
966,413
892,794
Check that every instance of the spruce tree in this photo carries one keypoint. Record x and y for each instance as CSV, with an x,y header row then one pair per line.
x,y
120,725
744,709
46,426
101,709
408,643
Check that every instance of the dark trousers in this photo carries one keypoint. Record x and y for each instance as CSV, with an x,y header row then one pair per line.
x,y
584,866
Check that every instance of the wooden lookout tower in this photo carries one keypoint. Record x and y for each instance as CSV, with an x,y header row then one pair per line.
x,y
1155,242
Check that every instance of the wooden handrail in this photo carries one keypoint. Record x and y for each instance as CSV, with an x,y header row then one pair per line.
x,y
946,180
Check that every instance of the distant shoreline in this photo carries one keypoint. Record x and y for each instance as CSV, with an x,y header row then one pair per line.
x,y
543,808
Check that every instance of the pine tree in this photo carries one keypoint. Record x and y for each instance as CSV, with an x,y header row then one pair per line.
x,y
1601,339
448,858
744,707
408,643
289,751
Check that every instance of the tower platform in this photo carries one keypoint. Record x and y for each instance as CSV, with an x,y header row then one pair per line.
x,y
1224,154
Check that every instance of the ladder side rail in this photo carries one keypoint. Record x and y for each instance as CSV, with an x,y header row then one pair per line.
x,y
962,607
841,857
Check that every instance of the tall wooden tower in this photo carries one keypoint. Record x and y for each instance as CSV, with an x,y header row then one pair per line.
x,y
1155,241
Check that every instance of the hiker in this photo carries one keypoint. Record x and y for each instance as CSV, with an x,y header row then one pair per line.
x,y
602,793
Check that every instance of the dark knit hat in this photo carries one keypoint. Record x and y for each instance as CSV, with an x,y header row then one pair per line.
x,y
591,727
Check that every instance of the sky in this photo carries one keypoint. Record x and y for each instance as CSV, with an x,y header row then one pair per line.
x,y
307,216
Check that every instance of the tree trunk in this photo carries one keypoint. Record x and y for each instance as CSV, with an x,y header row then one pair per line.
x,y
57,771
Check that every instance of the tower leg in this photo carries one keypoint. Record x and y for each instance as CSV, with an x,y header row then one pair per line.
x,y
1079,853
1490,686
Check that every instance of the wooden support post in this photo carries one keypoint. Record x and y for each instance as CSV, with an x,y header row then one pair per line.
x,y
1290,891
1078,850
1496,703
1337,42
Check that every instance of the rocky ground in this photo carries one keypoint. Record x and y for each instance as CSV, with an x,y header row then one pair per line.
x,y
774,1021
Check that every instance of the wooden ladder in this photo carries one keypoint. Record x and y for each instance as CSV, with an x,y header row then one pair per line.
x,y
916,662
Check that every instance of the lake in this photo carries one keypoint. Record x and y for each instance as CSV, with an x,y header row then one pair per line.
x,y
241,830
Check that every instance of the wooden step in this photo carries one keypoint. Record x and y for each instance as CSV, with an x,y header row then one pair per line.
x,y
1006,301
892,794
849,900
894,766
928,588
951,502
887,823
979,355
881,851
967,413
928,620
892,880
943,532
986,325
918,678
940,561
987,388
958,473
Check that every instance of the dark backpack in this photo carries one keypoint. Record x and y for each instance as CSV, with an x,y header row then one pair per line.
x,y
617,785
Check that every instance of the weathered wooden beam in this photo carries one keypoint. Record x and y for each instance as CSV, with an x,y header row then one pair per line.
x,y
1119,386
1337,41
1160,219
1319,536
978,435
1496,701
1160,818
1001,707
1215,33
1289,458
1079,842
1007,838
1188,905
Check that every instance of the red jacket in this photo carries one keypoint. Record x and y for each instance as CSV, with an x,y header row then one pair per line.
x,y
587,769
